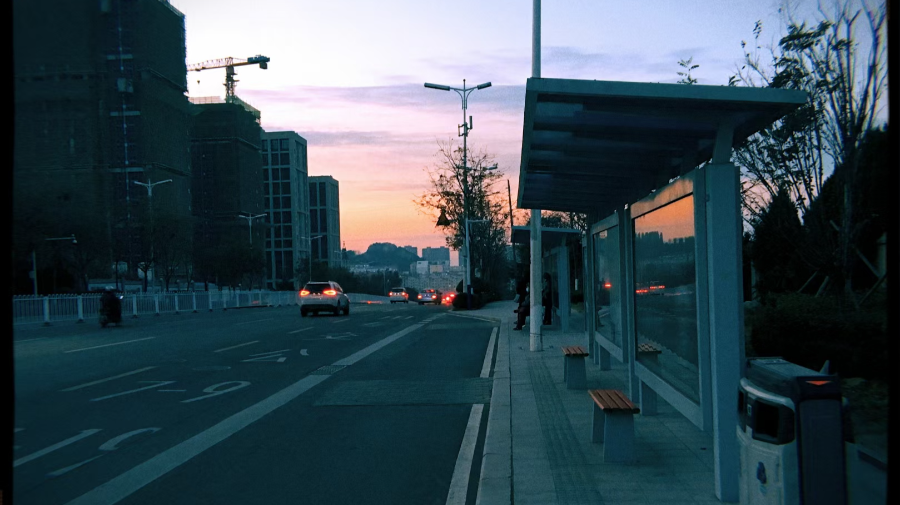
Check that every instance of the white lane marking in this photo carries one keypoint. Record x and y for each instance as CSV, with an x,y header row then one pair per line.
x,y
270,352
373,324
236,346
303,352
68,469
107,345
408,317
173,390
126,374
459,484
386,317
29,340
475,317
158,384
16,430
213,392
489,355
256,321
132,480
35,455
298,331
358,355
342,321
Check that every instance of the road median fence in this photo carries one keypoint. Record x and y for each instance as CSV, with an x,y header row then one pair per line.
x,y
78,308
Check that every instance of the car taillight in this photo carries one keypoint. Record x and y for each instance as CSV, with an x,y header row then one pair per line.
x,y
607,285
406,295
420,297
304,293
330,292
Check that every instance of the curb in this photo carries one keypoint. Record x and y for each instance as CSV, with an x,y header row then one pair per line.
x,y
495,483
247,307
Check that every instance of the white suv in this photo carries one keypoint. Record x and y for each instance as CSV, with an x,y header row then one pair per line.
x,y
328,296
398,295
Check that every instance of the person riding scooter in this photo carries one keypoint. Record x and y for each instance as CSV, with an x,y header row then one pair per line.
x,y
110,307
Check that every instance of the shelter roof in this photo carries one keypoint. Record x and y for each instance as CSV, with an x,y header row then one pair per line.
x,y
595,146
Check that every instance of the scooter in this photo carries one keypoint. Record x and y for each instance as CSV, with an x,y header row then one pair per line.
x,y
111,314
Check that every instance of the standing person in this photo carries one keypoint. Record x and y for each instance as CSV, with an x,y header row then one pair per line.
x,y
523,311
547,299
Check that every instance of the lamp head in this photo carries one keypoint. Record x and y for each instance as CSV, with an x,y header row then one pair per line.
x,y
482,86
437,86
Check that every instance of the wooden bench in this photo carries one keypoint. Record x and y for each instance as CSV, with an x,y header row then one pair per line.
x,y
573,371
613,424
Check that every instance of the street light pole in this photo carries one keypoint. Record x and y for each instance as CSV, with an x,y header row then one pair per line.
x,y
310,253
250,218
465,127
149,185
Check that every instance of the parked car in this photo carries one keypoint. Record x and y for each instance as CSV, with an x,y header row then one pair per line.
x,y
448,298
398,295
429,296
324,296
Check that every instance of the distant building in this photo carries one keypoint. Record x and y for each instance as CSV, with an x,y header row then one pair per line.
x,y
421,267
413,249
325,220
436,254
285,188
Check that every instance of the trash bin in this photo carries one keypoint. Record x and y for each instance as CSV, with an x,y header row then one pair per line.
x,y
791,435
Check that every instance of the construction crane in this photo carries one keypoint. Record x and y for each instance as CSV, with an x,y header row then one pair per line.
x,y
229,64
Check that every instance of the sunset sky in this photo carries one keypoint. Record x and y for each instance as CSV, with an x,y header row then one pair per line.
x,y
348,76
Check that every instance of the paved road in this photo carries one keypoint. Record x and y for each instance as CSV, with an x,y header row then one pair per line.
x,y
254,406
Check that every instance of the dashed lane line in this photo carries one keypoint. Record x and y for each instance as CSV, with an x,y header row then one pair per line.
x,y
126,374
108,345
236,346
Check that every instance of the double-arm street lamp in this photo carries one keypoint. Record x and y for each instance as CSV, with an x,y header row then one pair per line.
x,y
464,133
34,261
250,217
150,185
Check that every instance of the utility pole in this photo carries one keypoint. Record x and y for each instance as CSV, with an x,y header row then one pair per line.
x,y
149,185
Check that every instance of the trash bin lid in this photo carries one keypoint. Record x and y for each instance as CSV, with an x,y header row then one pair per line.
x,y
791,380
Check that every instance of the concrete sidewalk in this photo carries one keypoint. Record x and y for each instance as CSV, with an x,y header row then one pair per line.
x,y
538,448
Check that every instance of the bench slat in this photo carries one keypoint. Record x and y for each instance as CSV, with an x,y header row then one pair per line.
x,y
574,350
613,400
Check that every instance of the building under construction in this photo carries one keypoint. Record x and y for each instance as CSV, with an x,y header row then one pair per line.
x,y
227,182
100,102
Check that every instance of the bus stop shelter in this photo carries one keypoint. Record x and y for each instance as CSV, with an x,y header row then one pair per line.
x,y
651,166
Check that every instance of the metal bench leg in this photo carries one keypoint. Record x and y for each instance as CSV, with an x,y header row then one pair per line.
x,y
575,373
648,400
619,445
595,351
597,424
566,369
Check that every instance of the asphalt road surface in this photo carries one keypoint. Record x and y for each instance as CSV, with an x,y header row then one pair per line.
x,y
386,405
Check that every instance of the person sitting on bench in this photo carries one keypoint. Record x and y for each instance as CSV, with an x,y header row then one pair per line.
x,y
523,311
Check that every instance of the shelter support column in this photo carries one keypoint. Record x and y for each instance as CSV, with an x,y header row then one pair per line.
x,y
726,333
562,281
536,341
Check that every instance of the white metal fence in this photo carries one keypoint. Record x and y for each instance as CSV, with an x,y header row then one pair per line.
x,y
59,308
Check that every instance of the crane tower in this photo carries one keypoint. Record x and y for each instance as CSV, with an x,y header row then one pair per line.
x,y
228,64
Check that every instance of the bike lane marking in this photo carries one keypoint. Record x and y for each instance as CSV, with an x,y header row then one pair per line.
x,y
129,482
43,452
301,329
107,345
126,374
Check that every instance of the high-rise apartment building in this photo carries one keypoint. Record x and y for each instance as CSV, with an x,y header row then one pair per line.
x,y
227,183
100,102
285,186
325,220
